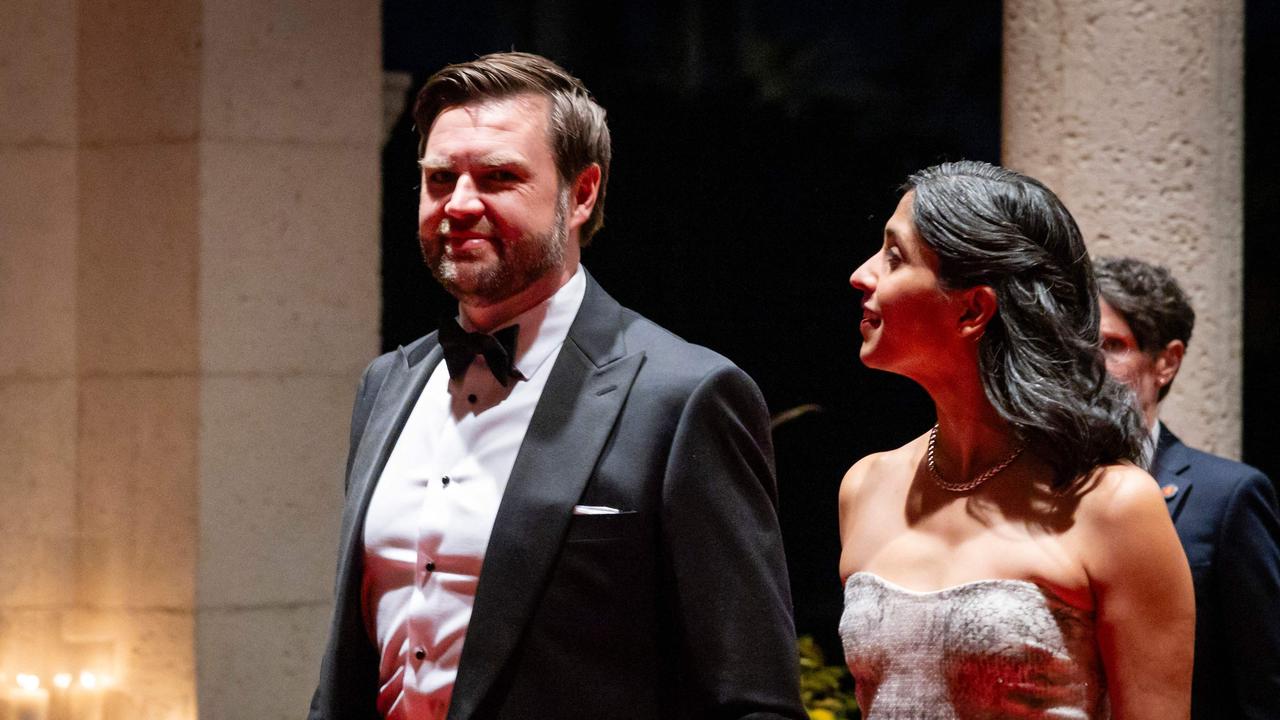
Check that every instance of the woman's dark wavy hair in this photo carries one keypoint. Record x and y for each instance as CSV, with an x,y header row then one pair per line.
x,y
1039,357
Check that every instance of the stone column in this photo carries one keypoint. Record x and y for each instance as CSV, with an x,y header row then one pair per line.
x,y
1133,113
188,291
38,375
137,83
291,121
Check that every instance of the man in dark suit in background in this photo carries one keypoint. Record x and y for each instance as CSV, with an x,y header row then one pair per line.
x,y
555,508
1225,512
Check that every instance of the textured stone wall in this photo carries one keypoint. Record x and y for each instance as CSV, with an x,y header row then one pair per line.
x,y
38,378
1132,111
188,291
291,117
137,80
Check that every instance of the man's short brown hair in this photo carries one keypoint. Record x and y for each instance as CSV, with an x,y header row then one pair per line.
x,y
1150,300
579,135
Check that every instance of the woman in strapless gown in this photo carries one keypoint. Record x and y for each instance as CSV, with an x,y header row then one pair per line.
x,y
1013,561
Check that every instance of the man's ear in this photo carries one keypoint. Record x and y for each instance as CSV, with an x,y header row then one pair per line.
x,y
978,306
582,196
1169,361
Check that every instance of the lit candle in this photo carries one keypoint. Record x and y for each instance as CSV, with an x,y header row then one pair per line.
x,y
28,701
60,697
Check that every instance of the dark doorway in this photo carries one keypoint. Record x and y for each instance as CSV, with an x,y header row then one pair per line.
x,y
1261,235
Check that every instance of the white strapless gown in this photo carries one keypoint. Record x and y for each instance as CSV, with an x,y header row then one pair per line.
x,y
987,649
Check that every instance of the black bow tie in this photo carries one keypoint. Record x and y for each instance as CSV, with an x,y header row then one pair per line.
x,y
461,347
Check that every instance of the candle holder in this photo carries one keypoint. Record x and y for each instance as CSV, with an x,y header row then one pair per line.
x,y
24,699
54,675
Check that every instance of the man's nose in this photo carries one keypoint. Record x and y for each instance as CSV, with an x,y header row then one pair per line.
x,y
465,198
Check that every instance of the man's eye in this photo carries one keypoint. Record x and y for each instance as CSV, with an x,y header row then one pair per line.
x,y
440,177
503,176
1112,346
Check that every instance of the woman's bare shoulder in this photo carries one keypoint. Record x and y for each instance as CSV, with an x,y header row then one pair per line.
x,y
1117,499
876,467
1116,490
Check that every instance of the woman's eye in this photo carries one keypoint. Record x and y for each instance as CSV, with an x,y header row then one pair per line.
x,y
892,258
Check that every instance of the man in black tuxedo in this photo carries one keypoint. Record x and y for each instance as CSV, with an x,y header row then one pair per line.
x,y
1225,512
573,515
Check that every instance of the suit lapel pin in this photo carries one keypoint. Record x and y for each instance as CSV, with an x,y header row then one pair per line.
x,y
1169,491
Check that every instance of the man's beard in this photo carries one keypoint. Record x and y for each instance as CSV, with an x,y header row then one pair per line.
x,y
518,265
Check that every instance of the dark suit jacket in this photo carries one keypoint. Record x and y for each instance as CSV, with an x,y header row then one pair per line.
x,y
1225,513
676,608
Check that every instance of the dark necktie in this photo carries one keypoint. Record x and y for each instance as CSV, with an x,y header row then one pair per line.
x,y
461,348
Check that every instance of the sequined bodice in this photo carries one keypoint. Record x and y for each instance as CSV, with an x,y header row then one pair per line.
x,y
987,649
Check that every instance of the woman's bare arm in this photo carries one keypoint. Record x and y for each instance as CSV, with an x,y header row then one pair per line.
x,y
1145,602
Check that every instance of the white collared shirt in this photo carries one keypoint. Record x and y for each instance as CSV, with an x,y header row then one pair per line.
x,y
432,511
1152,445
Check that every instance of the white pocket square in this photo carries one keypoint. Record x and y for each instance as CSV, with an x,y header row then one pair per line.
x,y
594,510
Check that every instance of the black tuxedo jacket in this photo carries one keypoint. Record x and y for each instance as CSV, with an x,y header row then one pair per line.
x,y
1226,516
678,607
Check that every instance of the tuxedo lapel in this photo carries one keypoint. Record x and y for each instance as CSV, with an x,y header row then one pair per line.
x,y
569,428
391,409
1170,466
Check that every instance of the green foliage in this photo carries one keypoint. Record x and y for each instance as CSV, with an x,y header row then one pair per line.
x,y
827,690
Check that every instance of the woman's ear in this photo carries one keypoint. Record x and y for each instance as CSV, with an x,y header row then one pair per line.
x,y
978,306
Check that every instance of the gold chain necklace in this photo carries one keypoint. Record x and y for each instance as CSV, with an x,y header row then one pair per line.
x,y
967,484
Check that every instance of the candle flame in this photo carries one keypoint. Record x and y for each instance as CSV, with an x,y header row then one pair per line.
x,y
62,680
27,681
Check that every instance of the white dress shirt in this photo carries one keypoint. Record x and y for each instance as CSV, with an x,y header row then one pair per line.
x,y
1152,444
429,520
